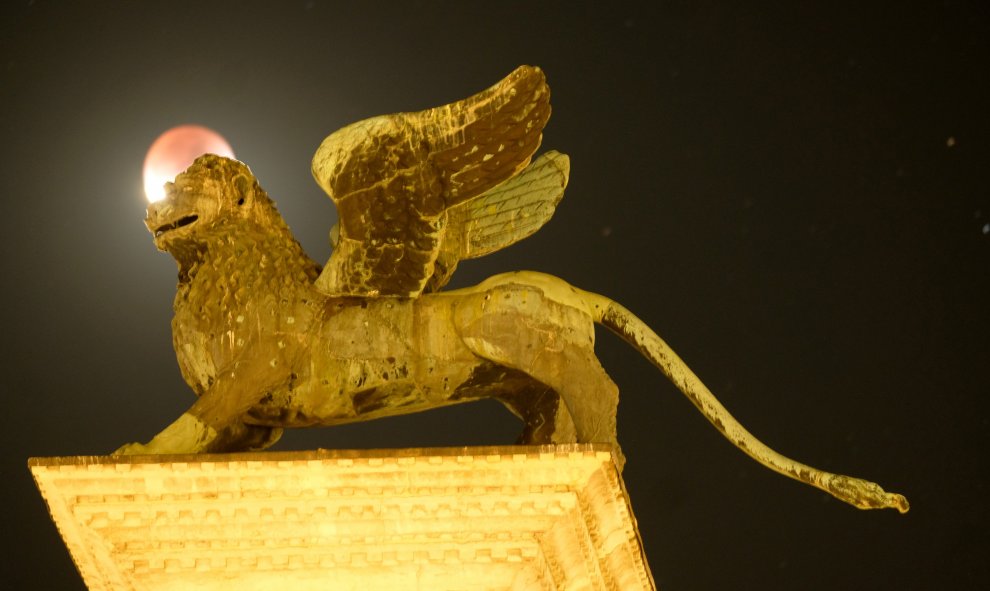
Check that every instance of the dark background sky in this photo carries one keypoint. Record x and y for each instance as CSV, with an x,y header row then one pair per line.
x,y
796,195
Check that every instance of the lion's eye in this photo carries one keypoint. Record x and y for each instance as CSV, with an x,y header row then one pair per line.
x,y
243,187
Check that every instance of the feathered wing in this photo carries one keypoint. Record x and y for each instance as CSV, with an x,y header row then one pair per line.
x,y
501,216
394,178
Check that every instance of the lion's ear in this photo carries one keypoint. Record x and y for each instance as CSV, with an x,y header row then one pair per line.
x,y
243,189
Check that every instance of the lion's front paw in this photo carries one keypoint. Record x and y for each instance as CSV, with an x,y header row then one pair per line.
x,y
131,449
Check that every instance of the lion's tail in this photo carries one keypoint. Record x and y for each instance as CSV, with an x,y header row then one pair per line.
x,y
857,492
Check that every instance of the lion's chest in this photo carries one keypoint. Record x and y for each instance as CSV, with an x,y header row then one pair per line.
x,y
222,322
207,342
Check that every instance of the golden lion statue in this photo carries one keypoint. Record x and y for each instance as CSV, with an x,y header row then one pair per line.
x,y
268,339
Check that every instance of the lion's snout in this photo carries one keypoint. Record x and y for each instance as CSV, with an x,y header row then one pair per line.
x,y
158,211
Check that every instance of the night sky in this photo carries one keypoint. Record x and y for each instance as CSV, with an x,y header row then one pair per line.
x,y
795,195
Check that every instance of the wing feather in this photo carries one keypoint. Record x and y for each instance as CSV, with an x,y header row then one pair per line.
x,y
502,215
513,210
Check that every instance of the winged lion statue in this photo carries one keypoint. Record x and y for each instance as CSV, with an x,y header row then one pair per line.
x,y
268,339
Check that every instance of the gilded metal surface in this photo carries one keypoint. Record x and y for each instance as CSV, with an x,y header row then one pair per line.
x,y
269,340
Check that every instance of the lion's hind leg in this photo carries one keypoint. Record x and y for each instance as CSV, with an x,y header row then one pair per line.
x,y
517,327
545,417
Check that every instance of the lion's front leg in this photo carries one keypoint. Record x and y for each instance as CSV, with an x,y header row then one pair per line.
x,y
215,423
190,435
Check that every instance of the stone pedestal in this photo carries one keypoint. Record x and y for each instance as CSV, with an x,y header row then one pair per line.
x,y
479,518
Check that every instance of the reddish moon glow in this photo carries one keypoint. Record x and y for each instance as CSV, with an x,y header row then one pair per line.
x,y
174,151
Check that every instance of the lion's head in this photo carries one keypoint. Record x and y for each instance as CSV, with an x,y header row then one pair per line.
x,y
214,197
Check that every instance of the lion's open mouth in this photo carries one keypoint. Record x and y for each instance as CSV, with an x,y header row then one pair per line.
x,y
183,221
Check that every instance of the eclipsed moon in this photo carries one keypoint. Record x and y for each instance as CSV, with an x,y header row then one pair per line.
x,y
174,151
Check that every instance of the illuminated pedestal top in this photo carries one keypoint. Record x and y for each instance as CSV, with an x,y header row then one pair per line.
x,y
480,518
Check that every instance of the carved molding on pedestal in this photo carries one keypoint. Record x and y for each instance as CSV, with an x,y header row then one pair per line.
x,y
477,518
